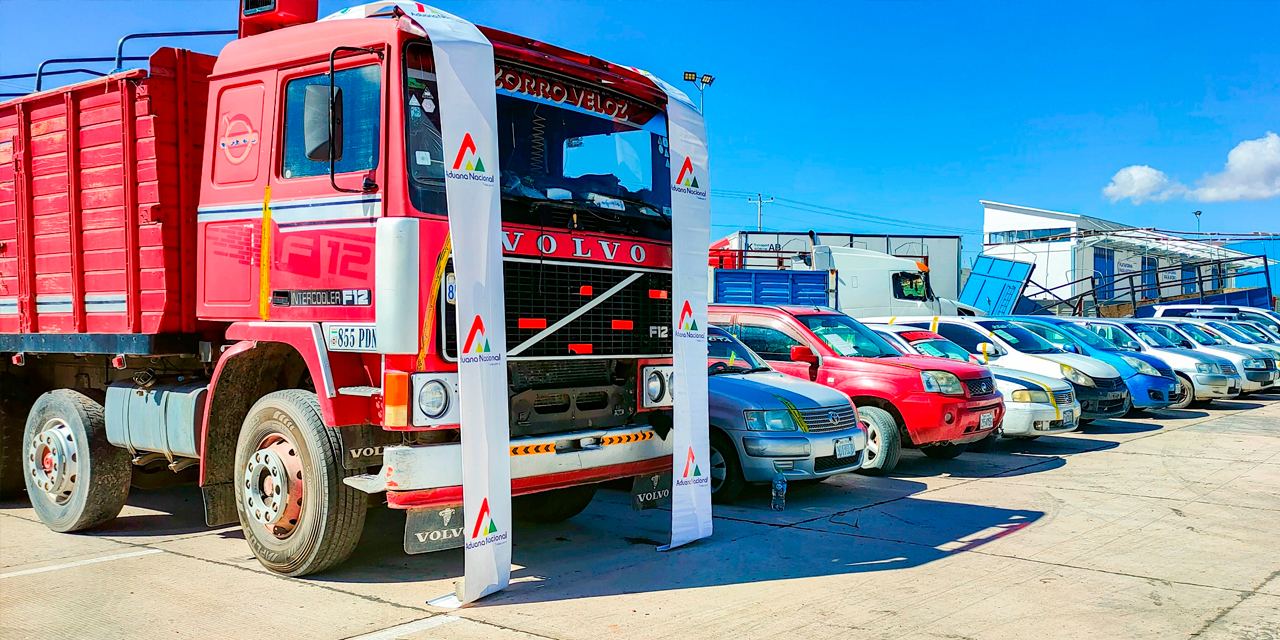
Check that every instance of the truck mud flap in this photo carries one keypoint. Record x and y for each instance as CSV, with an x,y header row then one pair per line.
x,y
651,491
220,504
362,445
433,529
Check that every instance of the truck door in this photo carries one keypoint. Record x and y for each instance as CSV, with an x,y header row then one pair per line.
x,y
772,340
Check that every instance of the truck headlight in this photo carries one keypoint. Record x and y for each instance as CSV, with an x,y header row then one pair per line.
x,y
1030,395
1207,367
433,399
1076,376
770,420
1142,366
655,386
943,382
1255,363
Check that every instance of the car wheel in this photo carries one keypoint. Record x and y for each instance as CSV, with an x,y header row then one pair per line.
x,y
986,444
550,507
75,478
298,516
884,444
944,451
1188,393
726,471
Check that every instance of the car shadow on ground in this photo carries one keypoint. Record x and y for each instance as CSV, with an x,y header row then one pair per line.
x,y
1114,426
1234,405
1169,414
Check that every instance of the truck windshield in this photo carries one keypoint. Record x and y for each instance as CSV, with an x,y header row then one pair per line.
x,y
847,336
726,355
910,286
1017,337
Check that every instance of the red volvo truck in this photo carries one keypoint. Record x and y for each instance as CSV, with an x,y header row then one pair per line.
x,y
191,274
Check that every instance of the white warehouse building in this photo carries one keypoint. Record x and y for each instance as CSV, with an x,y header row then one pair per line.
x,y
1069,247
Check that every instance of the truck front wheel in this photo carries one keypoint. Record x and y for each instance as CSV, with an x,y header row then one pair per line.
x,y
550,507
75,478
884,444
298,516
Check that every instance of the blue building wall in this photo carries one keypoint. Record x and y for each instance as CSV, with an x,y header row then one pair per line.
x,y
1270,248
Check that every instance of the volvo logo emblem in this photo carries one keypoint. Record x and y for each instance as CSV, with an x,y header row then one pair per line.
x,y
833,417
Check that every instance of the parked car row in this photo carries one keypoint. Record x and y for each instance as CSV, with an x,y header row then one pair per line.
x,y
809,392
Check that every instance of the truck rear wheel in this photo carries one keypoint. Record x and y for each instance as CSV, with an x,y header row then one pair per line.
x,y
75,478
298,516
884,444
550,507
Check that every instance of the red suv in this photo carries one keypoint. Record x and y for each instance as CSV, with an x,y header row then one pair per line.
x,y
934,404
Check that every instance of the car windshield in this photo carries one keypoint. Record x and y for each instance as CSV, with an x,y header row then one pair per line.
x,y
1255,332
1198,335
1152,337
1088,337
570,155
1234,333
847,336
941,349
1017,337
725,354
1064,334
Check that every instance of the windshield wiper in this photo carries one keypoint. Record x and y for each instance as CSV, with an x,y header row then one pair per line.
x,y
728,370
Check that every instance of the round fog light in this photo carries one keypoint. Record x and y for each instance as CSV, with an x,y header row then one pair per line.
x,y
433,399
949,418
655,386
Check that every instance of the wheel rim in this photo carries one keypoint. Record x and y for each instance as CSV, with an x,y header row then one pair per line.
x,y
719,469
54,461
274,486
873,444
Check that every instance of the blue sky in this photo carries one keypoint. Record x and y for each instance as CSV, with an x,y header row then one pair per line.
x,y
909,111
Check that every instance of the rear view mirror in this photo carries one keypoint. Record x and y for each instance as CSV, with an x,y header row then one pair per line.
x,y
801,353
317,118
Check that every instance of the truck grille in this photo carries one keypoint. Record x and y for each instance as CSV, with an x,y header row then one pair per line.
x,y
980,387
1064,397
824,419
635,321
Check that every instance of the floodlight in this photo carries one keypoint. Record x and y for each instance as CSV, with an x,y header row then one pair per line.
x,y
690,76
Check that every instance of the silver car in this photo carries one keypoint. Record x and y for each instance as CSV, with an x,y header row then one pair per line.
x,y
765,424
1257,368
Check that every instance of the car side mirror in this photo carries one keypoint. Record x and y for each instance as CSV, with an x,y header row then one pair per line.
x,y
1187,344
1070,348
801,353
317,118
987,351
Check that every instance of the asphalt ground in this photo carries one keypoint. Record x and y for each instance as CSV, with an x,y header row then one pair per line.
x,y
1160,526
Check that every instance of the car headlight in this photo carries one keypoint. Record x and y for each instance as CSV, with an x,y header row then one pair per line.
x,y
1207,367
433,399
1030,395
1255,363
1076,376
1142,366
770,420
943,382
655,386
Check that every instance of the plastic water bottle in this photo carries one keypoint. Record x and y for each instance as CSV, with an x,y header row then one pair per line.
x,y
779,492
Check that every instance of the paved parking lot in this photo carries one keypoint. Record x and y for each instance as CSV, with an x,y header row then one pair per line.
x,y
1165,526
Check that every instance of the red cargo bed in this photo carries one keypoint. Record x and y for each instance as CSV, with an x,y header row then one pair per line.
x,y
98,192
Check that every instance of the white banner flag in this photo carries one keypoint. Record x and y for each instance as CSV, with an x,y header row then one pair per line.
x,y
469,118
690,239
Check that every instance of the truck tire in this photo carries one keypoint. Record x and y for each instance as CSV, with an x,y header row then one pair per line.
x,y
727,480
15,404
944,451
298,516
550,507
1188,393
75,478
884,444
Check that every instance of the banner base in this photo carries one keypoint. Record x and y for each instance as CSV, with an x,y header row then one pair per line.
x,y
449,601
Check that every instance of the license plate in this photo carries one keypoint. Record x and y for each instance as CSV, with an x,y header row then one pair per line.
x,y
987,420
351,337
1068,417
845,448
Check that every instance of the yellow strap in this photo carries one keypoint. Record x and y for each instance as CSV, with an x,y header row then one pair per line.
x,y
264,266
433,300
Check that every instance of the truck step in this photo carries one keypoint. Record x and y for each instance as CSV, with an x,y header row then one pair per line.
x,y
366,392
367,483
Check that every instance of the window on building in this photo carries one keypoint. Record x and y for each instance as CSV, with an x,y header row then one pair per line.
x,y
361,116
1149,288
1104,270
1189,279
1001,237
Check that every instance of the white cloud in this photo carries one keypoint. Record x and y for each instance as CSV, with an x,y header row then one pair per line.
x,y
1140,183
1252,172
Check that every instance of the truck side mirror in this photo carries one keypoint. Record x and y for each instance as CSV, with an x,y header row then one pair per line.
x,y
801,353
318,120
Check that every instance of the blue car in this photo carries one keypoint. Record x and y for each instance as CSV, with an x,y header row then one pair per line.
x,y
1152,384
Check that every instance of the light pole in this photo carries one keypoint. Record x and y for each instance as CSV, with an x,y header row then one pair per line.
x,y
701,83
1197,222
